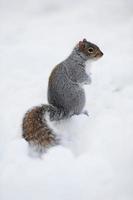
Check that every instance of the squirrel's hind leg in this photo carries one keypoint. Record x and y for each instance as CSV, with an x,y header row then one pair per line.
x,y
85,112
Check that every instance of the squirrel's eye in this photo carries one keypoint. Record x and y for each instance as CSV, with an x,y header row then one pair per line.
x,y
90,50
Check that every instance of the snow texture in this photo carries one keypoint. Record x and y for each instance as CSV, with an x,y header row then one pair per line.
x,y
95,160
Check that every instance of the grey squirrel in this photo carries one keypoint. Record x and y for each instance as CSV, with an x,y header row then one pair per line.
x,y
66,96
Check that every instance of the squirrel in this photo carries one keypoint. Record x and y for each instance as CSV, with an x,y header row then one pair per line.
x,y
66,96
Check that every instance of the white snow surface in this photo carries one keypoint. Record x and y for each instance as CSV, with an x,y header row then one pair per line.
x,y
95,160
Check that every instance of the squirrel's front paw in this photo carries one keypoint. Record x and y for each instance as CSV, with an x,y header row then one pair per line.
x,y
88,81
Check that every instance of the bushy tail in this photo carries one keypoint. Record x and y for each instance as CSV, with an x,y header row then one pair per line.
x,y
35,127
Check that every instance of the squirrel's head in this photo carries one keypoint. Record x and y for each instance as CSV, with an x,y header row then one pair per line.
x,y
89,50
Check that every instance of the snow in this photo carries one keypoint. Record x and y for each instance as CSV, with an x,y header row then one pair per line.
x,y
95,160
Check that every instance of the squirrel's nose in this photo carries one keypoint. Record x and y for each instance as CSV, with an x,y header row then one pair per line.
x,y
101,54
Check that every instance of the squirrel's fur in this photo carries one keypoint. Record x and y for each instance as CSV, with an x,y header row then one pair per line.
x,y
66,95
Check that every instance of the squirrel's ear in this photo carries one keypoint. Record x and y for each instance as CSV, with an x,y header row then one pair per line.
x,y
84,40
81,45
